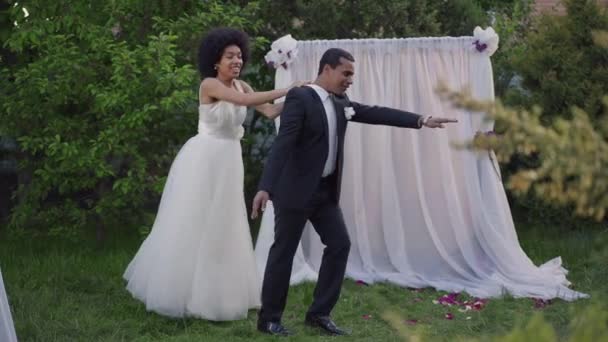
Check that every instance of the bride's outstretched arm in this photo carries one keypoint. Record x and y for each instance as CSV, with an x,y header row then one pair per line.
x,y
269,110
212,88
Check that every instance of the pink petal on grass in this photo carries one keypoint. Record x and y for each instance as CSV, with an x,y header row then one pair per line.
x,y
361,283
541,303
449,316
478,305
366,317
450,299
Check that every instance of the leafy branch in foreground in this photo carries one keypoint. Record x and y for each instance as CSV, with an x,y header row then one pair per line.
x,y
572,153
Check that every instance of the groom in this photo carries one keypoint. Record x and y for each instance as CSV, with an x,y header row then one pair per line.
x,y
302,177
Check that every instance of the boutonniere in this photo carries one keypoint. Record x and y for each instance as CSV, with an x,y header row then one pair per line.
x,y
349,112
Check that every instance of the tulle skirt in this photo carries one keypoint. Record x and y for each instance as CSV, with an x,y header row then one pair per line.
x,y
198,258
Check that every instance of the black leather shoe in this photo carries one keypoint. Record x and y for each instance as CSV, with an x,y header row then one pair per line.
x,y
325,324
274,328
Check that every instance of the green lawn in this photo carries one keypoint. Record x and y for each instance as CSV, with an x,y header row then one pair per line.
x,y
74,292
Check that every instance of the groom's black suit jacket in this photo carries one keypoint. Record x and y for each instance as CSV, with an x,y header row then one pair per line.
x,y
297,157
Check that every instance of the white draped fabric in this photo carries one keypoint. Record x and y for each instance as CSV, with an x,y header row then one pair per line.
x,y
7,329
419,211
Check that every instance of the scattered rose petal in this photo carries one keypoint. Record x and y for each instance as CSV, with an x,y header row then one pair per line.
x,y
479,304
451,299
411,321
361,283
366,317
449,316
541,303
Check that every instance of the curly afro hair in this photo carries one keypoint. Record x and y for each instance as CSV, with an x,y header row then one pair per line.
x,y
212,47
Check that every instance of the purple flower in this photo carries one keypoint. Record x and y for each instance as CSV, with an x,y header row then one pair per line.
x,y
480,46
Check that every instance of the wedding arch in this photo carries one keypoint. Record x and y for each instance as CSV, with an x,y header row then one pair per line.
x,y
419,211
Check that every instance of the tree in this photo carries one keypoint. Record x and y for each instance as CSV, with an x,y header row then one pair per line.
x,y
560,66
100,97
460,17
337,19
572,154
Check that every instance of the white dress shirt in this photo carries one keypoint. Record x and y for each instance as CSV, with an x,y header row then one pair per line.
x,y
332,131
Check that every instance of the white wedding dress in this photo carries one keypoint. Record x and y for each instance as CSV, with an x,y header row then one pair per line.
x,y
7,329
198,259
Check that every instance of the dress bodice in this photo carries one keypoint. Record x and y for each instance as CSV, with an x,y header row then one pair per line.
x,y
222,119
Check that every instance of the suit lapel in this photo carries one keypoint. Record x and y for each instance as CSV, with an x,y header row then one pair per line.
x,y
321,109
339,104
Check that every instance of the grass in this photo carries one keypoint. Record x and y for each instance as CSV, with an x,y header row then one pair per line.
x,y
61,291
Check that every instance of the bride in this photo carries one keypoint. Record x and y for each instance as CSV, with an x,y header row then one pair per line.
x,y
198,258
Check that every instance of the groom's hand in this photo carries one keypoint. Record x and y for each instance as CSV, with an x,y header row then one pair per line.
x,y
436,122
259,202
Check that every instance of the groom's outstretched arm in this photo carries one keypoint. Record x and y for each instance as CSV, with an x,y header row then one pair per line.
x,y
292,118
377,115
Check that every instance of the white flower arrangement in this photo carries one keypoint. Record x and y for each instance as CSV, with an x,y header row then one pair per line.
x,y
486,41
283,52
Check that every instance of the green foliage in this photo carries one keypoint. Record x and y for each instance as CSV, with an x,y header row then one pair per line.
x,y
377,18
550,61
512,23
460,17
589,325
572,154
337,19
537,329
561,67
100,98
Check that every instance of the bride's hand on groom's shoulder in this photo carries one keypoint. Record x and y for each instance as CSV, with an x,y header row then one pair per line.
x,y
259,203
299,84
437,122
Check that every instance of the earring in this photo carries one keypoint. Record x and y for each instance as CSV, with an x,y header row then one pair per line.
x,y
215,67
